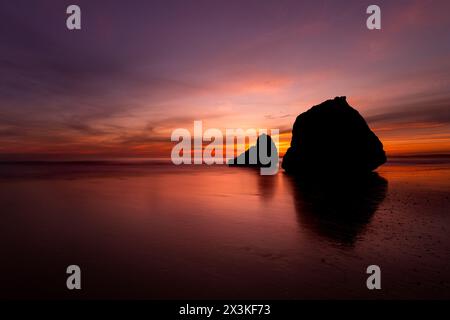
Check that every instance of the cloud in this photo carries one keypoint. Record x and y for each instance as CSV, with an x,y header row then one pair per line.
x,y
415,109
138,70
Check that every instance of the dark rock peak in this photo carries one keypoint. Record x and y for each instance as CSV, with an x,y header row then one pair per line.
x,y
251,157
333,138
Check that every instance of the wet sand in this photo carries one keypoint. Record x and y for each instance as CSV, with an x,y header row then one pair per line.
x,y
156,231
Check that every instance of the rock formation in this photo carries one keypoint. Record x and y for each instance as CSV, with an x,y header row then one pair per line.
x,y
251,157
333,138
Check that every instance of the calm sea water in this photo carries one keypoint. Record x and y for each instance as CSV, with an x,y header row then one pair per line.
x,y
153,230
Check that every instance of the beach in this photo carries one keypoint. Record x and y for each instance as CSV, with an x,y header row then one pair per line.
x,y
152,230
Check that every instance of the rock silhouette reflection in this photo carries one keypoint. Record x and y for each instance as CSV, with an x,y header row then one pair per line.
x,y
337,209
266,187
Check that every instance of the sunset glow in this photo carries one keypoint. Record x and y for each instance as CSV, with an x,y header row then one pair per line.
x,y
89,95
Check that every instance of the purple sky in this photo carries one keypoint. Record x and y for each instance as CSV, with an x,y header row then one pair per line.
x,y
139,69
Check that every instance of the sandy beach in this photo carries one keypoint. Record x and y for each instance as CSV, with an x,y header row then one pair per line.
x,y
155,231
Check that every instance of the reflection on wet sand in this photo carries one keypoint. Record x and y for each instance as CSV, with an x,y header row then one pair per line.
x,y
338,209
152,231
266,187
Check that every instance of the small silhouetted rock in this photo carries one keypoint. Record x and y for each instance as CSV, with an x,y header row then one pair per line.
x,y
333,138
252,158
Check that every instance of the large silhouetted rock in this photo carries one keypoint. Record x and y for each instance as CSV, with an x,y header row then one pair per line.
x,y
333,138
251,157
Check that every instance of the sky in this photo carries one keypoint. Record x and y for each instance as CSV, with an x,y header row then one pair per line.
x,y
137,70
